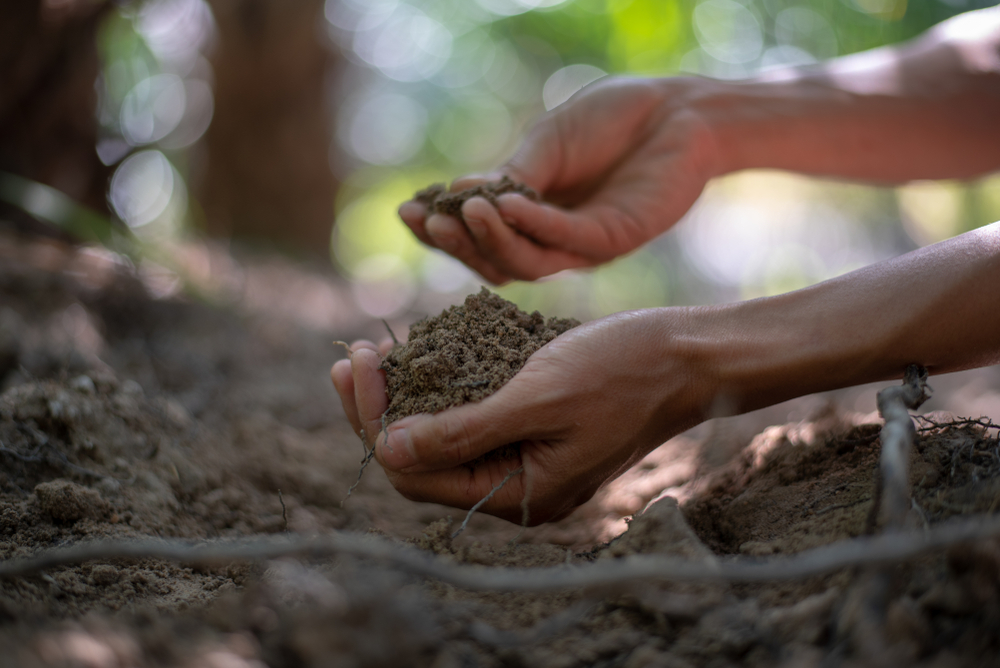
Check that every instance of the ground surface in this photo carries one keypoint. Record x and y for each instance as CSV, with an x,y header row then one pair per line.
x,y
130,412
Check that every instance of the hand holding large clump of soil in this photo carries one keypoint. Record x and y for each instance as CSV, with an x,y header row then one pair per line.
x,y
465,354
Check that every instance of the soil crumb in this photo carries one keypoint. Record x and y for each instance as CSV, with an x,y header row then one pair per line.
x,y
439,200
465,354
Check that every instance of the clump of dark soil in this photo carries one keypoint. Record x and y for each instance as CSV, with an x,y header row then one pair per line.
x,y
439,200
465,354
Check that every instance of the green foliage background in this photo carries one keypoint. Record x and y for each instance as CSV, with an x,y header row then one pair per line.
x,y
485,68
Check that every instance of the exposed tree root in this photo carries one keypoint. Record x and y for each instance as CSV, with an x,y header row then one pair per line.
x,y
897,442
346,347
866,604
369,456
479,504
395,341
886,549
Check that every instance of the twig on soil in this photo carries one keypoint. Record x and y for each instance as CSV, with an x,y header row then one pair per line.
x,y
473,509
56,458
284,513
897,441
395,341
885,549
33,458
346,346
529,481
931,424
891,501
369,455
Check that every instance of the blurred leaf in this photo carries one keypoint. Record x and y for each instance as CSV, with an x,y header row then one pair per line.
x,y
52,206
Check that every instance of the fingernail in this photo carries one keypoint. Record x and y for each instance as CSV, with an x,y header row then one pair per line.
x,y
397,451
476,226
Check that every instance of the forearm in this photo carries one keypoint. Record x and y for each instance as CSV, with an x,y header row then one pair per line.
x,y
937,306
926,109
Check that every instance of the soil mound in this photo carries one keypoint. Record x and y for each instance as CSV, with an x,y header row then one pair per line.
x,y
127,417
439,200
465,354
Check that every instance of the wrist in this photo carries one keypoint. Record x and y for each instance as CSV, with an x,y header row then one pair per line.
x,y
749,355
758,123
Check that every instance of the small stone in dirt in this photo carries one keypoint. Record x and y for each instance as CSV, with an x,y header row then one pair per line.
x,y
67,501
103,575
465,354
439,200
83,384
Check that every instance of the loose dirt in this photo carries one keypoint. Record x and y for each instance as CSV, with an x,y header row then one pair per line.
x,y
437,198
465,354
130,416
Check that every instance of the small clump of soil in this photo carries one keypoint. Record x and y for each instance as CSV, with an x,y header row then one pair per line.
x,y
439,200
465,354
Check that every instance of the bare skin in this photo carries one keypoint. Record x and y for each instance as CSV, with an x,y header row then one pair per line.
x,y
592,402
624,159
667,368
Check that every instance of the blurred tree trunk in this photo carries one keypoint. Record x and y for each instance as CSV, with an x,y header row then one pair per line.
x,y
48,67
268,172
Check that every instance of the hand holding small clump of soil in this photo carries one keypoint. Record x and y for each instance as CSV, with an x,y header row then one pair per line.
x,y
438,200
467,222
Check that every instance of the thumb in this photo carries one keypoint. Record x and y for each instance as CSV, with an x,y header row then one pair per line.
x,y
451,437
536,161
369,391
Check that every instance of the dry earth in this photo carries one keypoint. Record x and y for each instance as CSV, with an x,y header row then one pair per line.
x,y
129,411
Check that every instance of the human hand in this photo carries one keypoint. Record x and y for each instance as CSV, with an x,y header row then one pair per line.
x,y
368,398
584,408
616,165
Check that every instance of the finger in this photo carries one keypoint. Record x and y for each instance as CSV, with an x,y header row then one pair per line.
x,y
473,180
452,437
369,391
508,251
446,232
451,236
414,214
385,346
343,382
464,487
362,344
597,232
537,160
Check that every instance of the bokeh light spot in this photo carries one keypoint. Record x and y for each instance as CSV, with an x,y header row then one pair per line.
x,y
728,31
932,210
408,46
564,83
142,187
153,109
385,129
804,29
